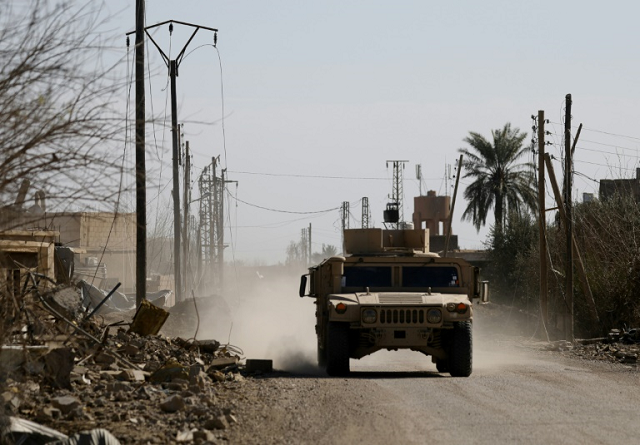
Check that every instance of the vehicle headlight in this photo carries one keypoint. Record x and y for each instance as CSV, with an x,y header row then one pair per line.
x,y
369,316
460,308
434,316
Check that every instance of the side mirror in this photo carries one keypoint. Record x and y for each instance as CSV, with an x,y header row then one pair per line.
x,y
303,286
484,291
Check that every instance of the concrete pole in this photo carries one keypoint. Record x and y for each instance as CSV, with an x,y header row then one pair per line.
x,y
177,267
542,226
141,188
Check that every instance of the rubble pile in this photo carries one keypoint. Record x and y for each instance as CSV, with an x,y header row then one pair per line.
x,y
618,347
69,374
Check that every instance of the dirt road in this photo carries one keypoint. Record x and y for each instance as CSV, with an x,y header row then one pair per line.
x,y
516,394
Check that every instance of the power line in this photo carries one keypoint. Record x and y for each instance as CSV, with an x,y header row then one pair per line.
x,y
278,210
606,132
289,175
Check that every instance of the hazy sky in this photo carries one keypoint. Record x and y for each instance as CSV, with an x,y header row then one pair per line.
x,y
319,95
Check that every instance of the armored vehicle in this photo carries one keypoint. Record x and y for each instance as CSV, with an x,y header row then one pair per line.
x,y
390,292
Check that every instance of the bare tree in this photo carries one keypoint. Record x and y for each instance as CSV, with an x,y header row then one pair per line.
x,y
58,119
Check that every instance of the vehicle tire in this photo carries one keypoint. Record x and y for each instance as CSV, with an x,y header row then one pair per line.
x,y
322,357
337,349
441,366
460,350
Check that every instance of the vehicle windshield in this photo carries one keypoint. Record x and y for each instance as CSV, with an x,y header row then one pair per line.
x,y
411,276
446,276
371,276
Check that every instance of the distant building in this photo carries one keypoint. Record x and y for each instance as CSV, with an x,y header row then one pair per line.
x,y
434,211
629,187
588,197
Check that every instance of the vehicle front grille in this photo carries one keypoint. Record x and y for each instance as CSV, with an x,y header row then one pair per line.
x,y
400,299
402,316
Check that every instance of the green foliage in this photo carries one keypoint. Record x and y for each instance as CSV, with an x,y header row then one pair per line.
x,y
499,182
509,251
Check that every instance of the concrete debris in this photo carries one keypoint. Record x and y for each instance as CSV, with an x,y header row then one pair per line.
x,y
263,366
148,319
71,373
58,365
621,346
217,423
172,404
93,296
65,404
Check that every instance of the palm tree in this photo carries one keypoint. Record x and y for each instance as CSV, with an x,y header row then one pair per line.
x,y
499,182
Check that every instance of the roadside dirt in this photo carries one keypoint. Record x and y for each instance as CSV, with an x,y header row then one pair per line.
x,y
202,393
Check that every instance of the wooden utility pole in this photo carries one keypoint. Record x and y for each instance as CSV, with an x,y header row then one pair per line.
x,y
141,175
453,206
568,183
542,225
582,273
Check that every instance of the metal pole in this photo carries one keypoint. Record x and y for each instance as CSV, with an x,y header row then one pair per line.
x,y
141,191
173,73
221,228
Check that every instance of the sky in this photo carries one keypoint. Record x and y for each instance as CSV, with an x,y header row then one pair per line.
x,y
305,102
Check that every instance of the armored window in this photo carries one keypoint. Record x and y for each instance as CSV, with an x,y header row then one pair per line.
x,y
430,277
358,276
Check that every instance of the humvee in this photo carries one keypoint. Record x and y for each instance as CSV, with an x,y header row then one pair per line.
x,y
390,292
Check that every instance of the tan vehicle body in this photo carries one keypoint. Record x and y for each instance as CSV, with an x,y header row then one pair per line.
x,y
390,293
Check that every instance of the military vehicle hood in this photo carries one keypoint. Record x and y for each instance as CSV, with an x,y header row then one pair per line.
x,y
399,298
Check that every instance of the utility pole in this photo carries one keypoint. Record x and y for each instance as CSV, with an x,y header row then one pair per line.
x,y
173,66
568,173
309,239
397,190
177,266
220,247
542,226
366,213
141,175
187,201
223,181
453,206
344,216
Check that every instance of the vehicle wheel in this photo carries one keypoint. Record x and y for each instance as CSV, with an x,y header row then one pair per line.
x,y
441,366
337,349
322,357
460,350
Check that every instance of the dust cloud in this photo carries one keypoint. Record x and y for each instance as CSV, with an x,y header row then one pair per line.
x,y
266,318
263,315
496,332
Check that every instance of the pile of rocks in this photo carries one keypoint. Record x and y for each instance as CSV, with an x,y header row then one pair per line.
x,y
619,347
142,389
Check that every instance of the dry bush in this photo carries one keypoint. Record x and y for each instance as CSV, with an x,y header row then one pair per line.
x,y
58,118
608,234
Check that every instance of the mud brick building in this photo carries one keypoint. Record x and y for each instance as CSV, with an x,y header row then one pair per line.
x,y
107,242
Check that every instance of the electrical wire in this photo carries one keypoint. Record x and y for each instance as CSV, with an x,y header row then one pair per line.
x,y
278,210
291,175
